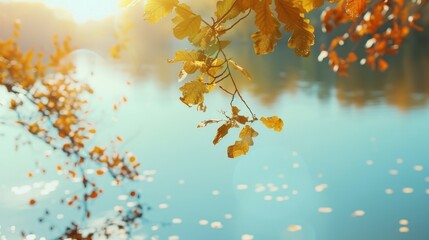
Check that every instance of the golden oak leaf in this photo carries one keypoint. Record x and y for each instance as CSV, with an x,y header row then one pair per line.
x,y
354,8
155,10
309,5
226,10
238,149
204,38
185,56
264,19
187,23
265,43
242,147
193,92
239,118
240,69
247,134
265,39
243,5
222,131
302,37
273,122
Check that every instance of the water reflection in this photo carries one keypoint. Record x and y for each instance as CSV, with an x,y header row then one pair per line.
x,y
405,85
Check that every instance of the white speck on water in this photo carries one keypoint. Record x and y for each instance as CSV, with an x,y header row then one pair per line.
x,y
358,213
176,220
407,190
321,187
268,197
403,222
418,168
203,222
163,206
246,237
325,210
388,191
216,225
294,228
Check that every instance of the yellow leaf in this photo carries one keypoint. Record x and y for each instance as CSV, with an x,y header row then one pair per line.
x,y
354,8
155,10
309,5
187,23
183,56
265,43
242,147
241,69
264,18
226,10
222,131
204,38
302,37
273,122
238,149
265,39
193,92
247,134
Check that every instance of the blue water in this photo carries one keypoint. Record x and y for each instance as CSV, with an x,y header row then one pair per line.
x,y
356,153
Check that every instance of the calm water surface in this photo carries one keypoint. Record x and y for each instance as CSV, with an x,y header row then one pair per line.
x,y
351,162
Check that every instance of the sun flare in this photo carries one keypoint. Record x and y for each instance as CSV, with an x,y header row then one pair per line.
x,y
84,10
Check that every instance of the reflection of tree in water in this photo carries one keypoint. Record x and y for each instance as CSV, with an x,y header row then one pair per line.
x,y
404,85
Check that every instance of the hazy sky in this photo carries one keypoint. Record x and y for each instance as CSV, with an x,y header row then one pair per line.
x,y
81,10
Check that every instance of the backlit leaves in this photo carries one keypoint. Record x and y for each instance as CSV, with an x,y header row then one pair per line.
x,y
193,93
210,62
273,122
155,10
354,8
302,32
241,147
187,23
266,38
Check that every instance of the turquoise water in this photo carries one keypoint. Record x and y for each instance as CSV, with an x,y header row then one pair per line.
x,y
350,164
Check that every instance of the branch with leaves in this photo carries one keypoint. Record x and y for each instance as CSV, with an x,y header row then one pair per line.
x,y
51,106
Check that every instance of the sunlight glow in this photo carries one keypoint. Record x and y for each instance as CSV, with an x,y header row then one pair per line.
x,y
83,10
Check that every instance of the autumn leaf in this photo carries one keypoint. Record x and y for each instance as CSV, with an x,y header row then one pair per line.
x,y
354,8
226,10
238,149
302,37
273,122
187,23
240,69
236,117
207,122
242,146
309,5
188,56
222,131
265,40
265,43
155,10
193,92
